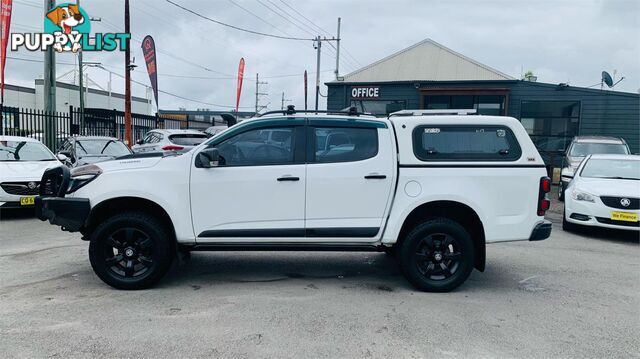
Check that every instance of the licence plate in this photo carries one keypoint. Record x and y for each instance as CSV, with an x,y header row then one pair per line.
x,y
27,201
624,216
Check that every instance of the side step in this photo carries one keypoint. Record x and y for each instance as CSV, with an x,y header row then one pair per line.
x,y
284,246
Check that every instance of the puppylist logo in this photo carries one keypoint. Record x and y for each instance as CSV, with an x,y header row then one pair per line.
x,y
67,27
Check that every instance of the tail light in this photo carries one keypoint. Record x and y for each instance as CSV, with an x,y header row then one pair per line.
x,y
172,148
543,202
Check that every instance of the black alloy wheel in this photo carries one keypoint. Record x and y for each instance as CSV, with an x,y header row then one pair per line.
x,y
131,250
437,255
128,252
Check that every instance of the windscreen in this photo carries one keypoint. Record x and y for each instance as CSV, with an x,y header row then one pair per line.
x,y
615,169
585,149
105,147
188,139
13,151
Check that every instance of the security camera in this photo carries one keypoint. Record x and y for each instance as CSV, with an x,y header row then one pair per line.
x,y
416,85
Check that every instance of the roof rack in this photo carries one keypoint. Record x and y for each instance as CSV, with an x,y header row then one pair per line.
x,y
433,112
291,110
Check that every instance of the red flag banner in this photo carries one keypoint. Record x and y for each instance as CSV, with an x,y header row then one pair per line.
x,y
5,24
305,89
240,78
149,52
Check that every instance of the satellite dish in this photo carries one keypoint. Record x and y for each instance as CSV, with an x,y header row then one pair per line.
x,y
607,79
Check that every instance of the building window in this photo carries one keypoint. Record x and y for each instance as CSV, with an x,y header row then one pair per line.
x,y
551,124
377,107
483,104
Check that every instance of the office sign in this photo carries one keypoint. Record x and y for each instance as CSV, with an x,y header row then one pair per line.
x,y
365,92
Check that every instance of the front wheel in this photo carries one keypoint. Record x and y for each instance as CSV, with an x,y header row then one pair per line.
x,y
561,190
437,255
131,250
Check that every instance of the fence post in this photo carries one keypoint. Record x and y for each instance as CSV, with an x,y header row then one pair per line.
x,y
70,124
114,118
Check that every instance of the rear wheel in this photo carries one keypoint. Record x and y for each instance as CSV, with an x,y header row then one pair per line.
x,y
131,250
437,255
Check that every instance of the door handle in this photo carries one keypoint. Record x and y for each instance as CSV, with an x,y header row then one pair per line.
x,y
374,176
288,178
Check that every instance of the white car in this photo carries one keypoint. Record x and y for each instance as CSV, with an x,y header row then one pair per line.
x,y
432,186
604,192
23,160
179,141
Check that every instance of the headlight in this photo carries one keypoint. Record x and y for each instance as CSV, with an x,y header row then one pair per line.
x,y
82,175
583,196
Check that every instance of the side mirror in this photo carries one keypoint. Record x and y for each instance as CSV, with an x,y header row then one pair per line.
x,y
140,141
209,158
62,157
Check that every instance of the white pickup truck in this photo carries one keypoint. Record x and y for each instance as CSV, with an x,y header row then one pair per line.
x,y
431,187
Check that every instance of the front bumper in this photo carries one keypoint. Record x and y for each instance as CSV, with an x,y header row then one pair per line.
x,y
69,213
541,231
596,214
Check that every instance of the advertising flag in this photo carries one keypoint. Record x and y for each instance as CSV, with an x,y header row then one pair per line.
x,y
5,24
240,78
149,52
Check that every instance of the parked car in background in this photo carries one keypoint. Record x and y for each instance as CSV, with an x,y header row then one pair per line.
x,y
22,162
581,147
433,186
214,130
82,150
180,141
604,192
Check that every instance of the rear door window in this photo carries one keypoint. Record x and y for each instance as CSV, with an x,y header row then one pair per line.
x,y
188,139
342,144
465,143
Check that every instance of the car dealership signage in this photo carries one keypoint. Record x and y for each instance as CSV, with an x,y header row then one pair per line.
x,y
365,92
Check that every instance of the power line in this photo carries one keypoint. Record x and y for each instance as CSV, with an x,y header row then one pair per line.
x,y
115,27
232,78
177,96
258,17
352,61
235,27
279,13
193,77
304,17
39,61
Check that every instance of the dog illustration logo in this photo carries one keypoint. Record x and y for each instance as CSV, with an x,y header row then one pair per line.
x,y
70,20
67,28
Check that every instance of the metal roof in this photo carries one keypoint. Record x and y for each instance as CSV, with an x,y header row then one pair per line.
x,y
425,61
598,139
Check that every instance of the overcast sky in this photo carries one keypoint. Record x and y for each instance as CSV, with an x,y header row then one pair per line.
x,y
560,41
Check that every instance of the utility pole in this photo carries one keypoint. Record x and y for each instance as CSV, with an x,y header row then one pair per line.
x,y
319,48
338,51
258,93
50,88
283,101
127,92
81,84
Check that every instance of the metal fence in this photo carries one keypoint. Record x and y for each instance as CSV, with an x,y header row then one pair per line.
x,y
39,124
